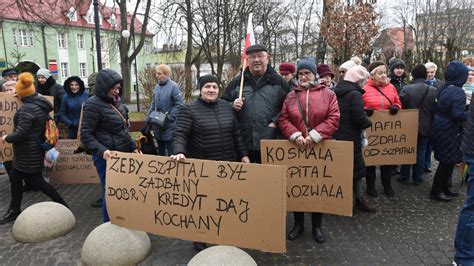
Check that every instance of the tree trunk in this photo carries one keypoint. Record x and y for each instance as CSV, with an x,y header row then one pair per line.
x,y
188,91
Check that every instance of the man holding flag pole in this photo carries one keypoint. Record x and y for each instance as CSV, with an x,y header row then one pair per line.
x,y
257,95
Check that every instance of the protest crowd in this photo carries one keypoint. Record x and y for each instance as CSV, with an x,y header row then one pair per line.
x,y
302,102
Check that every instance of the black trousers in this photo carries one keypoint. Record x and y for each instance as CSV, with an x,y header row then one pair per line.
x,y
8,166
316,218
443,174
37,181
385,174
255,157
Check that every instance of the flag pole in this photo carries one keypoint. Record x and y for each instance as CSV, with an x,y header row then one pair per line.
x,y
242,78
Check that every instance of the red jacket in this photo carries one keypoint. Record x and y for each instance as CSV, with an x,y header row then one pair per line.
x,y
323,112
374,99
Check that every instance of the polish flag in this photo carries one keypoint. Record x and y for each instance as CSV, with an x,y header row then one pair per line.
x,y
249,39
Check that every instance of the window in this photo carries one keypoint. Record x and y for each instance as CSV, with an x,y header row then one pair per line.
x,y
103,42
104,65
146,48
71,14
112,20
80,41
90,17
32,37
14,37
23,37
64,70
82,69
62,40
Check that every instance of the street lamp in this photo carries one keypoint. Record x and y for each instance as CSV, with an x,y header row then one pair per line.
x,y
97,34
258,31
126,35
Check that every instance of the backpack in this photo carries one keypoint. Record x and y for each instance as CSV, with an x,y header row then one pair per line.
x,y
51,134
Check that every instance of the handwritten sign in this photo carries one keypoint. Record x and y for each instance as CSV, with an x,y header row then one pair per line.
x,y
318,179
73,168
392,138
198,200
8,106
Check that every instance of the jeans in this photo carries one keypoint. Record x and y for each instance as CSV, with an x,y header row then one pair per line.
x,y
165,147
101,165
429,151
464,241
419,167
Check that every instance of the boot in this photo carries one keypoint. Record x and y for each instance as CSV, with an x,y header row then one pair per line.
x,y
318,235
199,246
440,197
361,205
295,232
389,192
97,203
448,192
10,216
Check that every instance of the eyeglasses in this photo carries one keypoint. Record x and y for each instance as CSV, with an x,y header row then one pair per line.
x,y
255,56
117,87
305,73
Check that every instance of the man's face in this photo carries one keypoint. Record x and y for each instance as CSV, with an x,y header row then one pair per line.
x,y
11,77
398,71
258,63
161,76
431,72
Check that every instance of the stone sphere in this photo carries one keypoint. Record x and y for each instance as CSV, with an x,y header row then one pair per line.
x,y
222,255
43,221
110,244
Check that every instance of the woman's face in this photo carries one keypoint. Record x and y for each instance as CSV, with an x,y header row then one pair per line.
x,y
114,91
379,75
210,92
470,78
74,86
41,79
326,80
304,75
10,89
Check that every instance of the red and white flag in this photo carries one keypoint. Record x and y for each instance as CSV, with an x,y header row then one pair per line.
x,y
249,38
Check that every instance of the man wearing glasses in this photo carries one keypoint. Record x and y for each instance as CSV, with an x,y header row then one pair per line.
x,y
263,94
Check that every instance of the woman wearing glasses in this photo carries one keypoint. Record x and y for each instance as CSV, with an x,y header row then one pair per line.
x,y
105,124
310,114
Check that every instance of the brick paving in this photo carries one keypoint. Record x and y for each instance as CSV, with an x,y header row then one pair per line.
x,y
407,229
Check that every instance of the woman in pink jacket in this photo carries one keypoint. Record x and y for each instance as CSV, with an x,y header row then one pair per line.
x,y
380,94
315,118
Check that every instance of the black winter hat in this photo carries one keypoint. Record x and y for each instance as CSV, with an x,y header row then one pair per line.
x,y
396,62
8,72
206,79
255,48
375,64
419,72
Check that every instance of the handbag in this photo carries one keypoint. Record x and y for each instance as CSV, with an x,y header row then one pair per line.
x,y
157,119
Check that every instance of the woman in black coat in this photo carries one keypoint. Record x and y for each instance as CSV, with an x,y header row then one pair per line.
x,y
28,134
105,124
352,122
208,129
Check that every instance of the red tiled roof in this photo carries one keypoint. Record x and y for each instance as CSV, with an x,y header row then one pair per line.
x,y
54,12
393,39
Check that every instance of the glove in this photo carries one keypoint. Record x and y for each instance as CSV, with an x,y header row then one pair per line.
x,y
369,111
393,110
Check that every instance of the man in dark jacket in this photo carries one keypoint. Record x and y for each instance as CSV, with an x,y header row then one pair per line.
x,y
28,134
397,73
421,96
463,243
105,124
263,94
47,86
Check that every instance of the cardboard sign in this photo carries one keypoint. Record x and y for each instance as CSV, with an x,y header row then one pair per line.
x,y
216,202
73,168
392,138
9,104
318,179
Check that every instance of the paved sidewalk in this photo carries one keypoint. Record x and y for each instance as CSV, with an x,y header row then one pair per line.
x,y
408,229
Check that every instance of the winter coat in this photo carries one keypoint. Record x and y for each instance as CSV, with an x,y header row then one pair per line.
x,y
352,121
398,82
28,133
208,131
437,83
102,127
264,98
71,105
167,98
373,97
51,88
419,95
323,115
467,146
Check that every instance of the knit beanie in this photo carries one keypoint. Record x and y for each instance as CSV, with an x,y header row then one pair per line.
x,y
24,86
206,79
43,72
396,62
419,71
287,68
309,64
356,74
355,61
324,70
374,65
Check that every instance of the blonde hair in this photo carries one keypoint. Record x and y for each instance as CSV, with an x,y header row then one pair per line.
x,y
431,65
9,83
164,68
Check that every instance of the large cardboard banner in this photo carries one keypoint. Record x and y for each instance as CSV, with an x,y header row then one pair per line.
x,y
73,168
318,179
217,202
9,104
392,138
